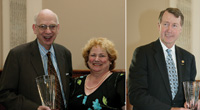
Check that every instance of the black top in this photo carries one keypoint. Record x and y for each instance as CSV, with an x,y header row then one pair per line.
x,y
109,96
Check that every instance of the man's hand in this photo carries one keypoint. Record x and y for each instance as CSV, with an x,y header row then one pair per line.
x,y
176,108
197,105
43,108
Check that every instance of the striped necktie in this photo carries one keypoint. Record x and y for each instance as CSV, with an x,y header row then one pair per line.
x,y
51,71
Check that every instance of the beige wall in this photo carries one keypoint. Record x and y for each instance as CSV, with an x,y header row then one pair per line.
x,y
142,28
81,20
142,22
0,34
196,34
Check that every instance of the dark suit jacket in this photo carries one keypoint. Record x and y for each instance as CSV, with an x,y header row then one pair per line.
x,y
148,82
18,88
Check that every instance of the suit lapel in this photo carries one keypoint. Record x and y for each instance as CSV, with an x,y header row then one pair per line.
x,y
161,63
61,62
36,58
180,69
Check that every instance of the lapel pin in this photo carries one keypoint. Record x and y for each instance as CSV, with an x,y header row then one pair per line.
x,y
182,62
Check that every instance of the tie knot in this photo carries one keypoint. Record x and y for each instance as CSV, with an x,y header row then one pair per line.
x,y
49,54
169,51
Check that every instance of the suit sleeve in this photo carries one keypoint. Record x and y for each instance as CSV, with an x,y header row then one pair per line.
x,y
138,85
9,84
193,69
70,63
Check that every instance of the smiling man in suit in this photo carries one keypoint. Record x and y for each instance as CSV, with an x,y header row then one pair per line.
x,y
18,89
158,69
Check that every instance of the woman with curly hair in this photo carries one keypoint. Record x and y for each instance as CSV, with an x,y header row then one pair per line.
x,y
102,89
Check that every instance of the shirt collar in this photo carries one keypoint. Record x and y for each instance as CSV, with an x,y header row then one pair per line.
x,y
165,48
45,51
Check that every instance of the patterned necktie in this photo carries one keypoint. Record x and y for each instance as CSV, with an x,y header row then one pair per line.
x,y
51,71
172,74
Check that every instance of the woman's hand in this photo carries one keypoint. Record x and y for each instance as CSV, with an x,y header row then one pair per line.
x,y
43,108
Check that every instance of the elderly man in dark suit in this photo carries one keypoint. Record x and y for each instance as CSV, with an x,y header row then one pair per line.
x,y
151,83
18,89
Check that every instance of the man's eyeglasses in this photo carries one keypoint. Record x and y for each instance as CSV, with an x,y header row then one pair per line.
x,y
43,27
